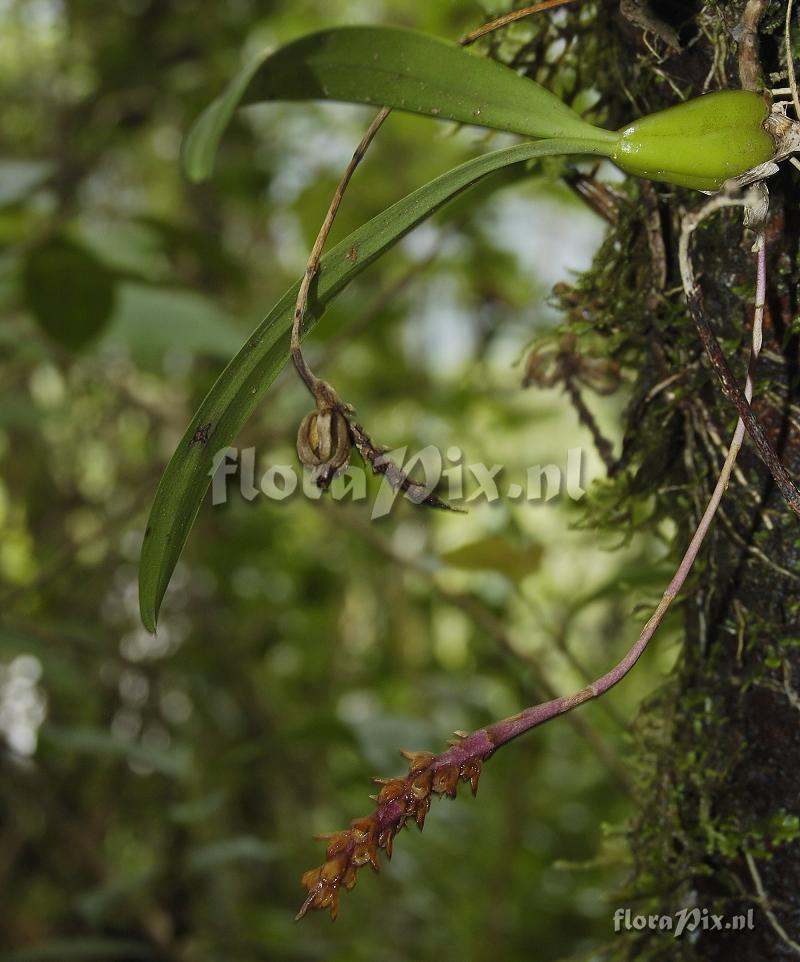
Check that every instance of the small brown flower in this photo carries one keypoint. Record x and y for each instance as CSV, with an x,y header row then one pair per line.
x,y
471,772
445,781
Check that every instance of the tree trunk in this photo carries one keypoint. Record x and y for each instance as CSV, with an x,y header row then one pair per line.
x,y
719,745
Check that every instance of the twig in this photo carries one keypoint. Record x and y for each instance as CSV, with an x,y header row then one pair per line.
x,y
587,419
508,18
305,372
790,58
655,241
327,435
749,61
730,386
312,266
599,197
763,901
322,444
376,457
561,364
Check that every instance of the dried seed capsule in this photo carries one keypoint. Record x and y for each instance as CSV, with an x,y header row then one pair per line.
x,y
700,143
324,444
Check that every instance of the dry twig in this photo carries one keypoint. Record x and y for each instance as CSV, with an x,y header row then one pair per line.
x,y
764,902
321,440
730,386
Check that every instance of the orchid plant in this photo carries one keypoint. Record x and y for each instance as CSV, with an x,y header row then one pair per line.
x,y
723,143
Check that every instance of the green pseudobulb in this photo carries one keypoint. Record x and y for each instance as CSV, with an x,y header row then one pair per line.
x,y
700,143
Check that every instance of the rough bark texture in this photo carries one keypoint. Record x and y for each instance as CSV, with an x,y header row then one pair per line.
x,y
719,746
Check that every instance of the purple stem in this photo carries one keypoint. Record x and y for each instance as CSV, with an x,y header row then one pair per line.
x,y
504,731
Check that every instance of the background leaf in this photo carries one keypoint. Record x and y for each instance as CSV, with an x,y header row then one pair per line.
x,y
175,762
150,321
19,177
229,851
496,553
69,291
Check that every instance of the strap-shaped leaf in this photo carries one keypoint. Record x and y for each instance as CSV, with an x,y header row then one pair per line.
x,y
388,66
241,385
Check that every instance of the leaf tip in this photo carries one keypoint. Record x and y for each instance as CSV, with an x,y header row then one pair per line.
x,y
196,170
149,618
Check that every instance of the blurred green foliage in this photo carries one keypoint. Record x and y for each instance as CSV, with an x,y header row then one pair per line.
x,y
159,794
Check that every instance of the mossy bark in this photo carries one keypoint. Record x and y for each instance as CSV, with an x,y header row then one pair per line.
x,y
718,823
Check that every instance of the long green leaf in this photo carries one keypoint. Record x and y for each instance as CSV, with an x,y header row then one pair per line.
x,y
392,67
241,385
